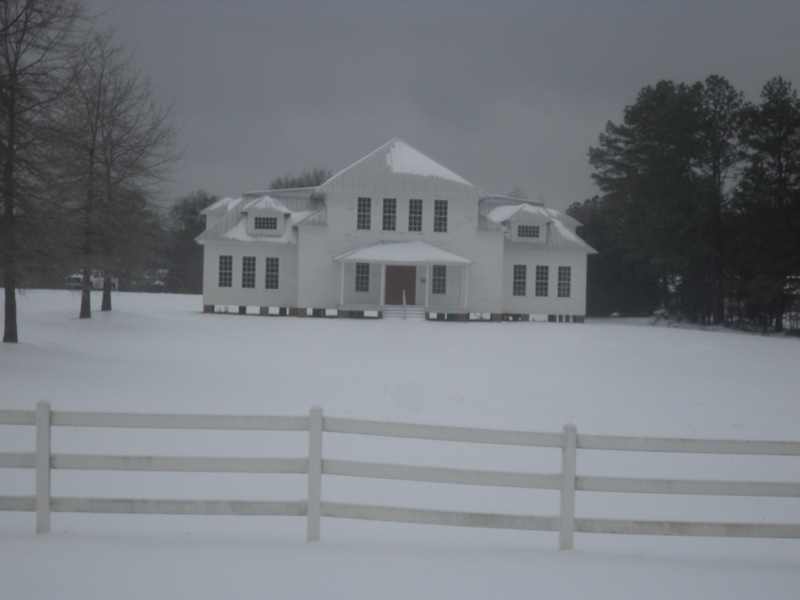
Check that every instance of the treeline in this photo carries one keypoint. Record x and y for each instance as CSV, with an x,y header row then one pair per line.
x,y
699,215
84,140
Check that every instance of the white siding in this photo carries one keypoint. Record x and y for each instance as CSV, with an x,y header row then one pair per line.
x,y
236,295
552,304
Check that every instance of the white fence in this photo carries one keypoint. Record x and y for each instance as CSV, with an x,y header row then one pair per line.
x,y
314,466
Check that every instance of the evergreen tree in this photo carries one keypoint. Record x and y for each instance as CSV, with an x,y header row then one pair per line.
x,y
768,204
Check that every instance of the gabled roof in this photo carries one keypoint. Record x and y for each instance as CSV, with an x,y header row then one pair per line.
x,y
561,236
231,223
414,252
398,168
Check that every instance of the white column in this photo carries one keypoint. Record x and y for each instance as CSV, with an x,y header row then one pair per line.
x,y
465,286
43,467
569,453
341,283
427,284
383,284
314,512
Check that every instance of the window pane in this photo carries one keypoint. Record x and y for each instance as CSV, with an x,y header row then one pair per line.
x,y
542,279
248,271
415,214
389,214
362,277
528,231
440,215
364,219
271,274
439,279
266,222
225,271
520,280
564,281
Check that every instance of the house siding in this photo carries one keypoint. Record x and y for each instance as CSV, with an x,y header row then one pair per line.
x,y
321,225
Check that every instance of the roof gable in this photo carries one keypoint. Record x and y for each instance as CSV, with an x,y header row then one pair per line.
x,y
397,167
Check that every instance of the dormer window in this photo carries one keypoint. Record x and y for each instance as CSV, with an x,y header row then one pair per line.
x,y
528,231
265,223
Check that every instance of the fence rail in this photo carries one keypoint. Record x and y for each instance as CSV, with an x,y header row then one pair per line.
x,y
567,482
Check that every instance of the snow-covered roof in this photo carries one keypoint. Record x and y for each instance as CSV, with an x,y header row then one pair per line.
x,y
265,202
414,252
231,222
561,236
398,168
223,203
506,212
239,230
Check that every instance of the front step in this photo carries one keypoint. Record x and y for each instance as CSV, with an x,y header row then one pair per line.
x,y
412,313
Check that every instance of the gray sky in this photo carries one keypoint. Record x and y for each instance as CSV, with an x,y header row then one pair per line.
x,y
504,93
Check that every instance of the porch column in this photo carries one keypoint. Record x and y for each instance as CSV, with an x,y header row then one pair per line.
x,y
383,284
341,283
427,283
465,286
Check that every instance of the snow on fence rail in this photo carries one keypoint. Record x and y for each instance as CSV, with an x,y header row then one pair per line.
x,y
567,482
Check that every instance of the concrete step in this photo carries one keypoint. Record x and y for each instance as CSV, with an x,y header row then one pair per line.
x,y
412,313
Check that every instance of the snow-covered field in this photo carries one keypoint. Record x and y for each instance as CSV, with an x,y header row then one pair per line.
x,y
158,353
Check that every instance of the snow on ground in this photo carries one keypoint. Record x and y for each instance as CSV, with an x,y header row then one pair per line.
x,y
159,353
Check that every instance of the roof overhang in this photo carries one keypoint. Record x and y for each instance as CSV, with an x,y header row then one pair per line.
x,y
402,253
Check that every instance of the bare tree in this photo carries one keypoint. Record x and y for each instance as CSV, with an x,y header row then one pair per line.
x,y
309,178
123,140
518,192
34,37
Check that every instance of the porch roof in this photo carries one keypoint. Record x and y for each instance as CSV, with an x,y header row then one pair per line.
x,y
407,253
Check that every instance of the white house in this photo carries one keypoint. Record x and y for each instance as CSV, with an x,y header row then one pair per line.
x,y
394,231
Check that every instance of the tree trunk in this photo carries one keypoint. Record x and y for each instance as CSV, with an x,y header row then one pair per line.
x,y
106,305
86,294
10,334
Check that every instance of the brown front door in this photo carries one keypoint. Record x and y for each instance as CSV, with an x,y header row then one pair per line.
x,y
399,279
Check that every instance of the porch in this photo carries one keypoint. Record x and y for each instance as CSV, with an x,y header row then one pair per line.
x,y
414,273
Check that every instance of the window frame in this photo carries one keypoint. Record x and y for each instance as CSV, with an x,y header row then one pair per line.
x,y
439,279
225,271
440,215
415,214
519,280
542,282
364,213
564,281
248,272
272,273
389,222
362,274
266,222
523,231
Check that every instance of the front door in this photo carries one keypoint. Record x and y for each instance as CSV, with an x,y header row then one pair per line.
x,y
399,279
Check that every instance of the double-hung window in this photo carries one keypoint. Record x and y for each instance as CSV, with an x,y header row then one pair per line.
x,y
389,214
564,281
415,214
225,271
439,279
440,216
272,273
520,281
542,280
364,217
362,277
248,271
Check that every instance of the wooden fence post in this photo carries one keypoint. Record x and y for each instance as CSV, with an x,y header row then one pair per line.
x,y
314,473
42,467
569,453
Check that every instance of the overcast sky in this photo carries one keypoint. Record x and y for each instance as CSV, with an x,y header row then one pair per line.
x,y
504,93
